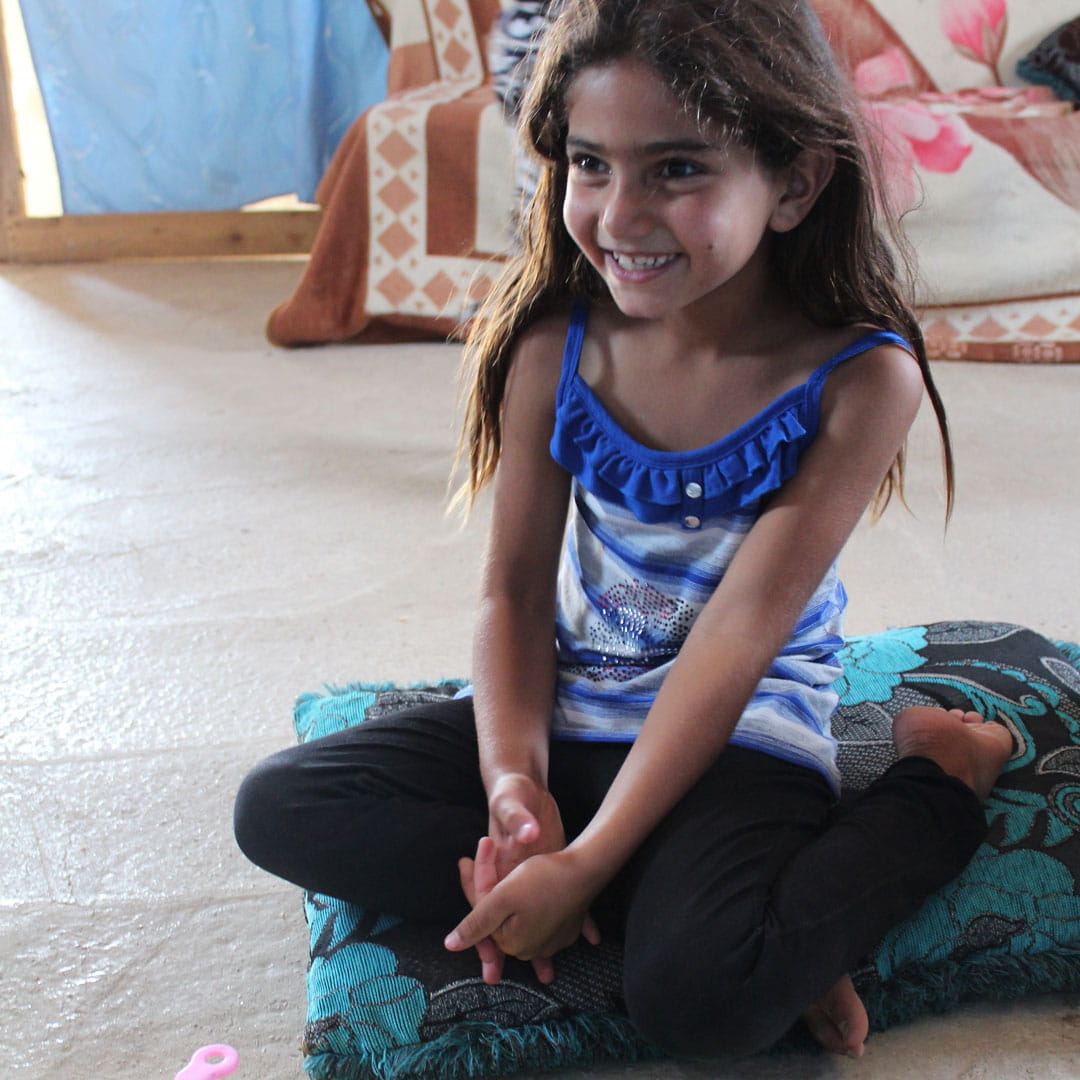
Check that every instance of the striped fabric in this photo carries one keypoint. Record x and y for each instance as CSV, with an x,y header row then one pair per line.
x,y
512,46
639,564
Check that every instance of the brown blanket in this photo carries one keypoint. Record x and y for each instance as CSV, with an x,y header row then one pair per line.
x,y
418,197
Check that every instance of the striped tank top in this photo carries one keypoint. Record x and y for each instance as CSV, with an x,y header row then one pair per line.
x,y
649,537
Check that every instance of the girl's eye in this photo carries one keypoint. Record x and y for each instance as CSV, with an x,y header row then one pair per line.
x,y
586,163
679,169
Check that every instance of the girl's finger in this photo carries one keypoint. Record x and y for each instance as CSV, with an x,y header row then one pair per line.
x,y
491,961
485,875
467,874
590,931
524,829
517,822
544,968
478,878
481,922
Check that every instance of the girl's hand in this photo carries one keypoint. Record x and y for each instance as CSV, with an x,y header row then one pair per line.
x,y
536,911
478,878
523,820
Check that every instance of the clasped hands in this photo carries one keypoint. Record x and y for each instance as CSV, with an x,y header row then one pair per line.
x,y
529,894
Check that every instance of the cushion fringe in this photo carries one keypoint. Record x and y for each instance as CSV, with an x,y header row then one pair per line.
x,y
485,1049
989,978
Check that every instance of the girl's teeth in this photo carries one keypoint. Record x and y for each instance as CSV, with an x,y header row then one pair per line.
x,y
640,262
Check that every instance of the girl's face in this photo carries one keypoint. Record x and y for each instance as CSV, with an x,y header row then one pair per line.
x,y
667,216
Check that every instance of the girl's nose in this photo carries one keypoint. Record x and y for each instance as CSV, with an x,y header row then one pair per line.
x,y
626,214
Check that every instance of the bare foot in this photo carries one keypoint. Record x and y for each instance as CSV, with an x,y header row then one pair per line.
x,y
838,1019
963,744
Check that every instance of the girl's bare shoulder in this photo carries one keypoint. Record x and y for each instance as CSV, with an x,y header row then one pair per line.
x,y
537,361
889,364
544,336
885,379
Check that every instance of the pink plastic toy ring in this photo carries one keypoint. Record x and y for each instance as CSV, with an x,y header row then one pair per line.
x,y
210,1063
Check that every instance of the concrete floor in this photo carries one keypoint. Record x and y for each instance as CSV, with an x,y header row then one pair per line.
x,y
196,527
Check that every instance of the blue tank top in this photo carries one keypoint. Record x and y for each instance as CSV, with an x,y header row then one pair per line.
x,y
649,538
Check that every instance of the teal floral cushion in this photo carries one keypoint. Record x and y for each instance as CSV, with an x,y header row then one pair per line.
x,y
386,1001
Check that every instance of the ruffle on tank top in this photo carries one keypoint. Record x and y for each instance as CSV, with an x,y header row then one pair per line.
x,y
731,475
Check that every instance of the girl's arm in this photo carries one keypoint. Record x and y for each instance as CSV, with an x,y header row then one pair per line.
x,y
868,406
514,652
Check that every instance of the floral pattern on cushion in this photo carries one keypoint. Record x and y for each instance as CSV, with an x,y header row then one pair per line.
x,y
977,30
386,1001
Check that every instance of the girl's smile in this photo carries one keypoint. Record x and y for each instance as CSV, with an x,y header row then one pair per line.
x,y
632,263
666,214
636,269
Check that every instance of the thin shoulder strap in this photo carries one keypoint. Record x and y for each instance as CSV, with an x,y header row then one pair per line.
x,y
867,342
575,335
816,382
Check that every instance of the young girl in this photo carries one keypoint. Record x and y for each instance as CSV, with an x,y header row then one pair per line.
x,y
693,381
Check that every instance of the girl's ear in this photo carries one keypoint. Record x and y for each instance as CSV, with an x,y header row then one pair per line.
x,y
806,178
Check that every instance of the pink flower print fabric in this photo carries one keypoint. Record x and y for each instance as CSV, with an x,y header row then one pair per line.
x,y
911,133
976,29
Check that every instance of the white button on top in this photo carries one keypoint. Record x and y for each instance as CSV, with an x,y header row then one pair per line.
x,y
693,490
692,522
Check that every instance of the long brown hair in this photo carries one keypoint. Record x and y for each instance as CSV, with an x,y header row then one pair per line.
x,y
760,72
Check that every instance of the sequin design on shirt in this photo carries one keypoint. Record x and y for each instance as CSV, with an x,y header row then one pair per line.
x,y
633,615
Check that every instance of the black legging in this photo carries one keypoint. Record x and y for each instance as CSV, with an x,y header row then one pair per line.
x,y
750,899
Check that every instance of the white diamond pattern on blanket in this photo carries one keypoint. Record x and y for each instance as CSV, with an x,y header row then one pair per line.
x,y
403,277
456,48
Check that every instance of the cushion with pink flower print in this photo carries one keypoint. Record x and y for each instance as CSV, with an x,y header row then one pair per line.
x,y
976,29
950,45
985,174
909,130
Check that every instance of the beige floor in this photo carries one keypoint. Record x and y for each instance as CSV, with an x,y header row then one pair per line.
x,y
196,527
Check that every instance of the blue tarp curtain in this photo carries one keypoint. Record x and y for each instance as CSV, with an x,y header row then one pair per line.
x,y
199,104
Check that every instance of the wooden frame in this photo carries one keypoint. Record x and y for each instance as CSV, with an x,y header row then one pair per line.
x,y
95,237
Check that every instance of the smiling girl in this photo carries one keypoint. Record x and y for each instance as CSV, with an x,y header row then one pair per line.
x,y
687,389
